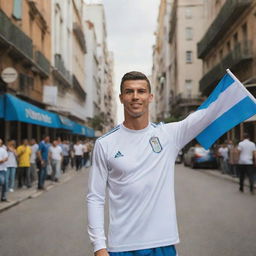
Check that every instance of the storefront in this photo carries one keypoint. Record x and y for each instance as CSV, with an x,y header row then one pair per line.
x,y
20,119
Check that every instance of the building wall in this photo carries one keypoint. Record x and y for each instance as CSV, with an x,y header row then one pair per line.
x,y
35,21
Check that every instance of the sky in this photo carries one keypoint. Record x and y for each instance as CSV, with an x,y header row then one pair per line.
x,y
130,30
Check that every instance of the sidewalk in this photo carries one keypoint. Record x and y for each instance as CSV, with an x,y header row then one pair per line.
x,y
228,177
20,195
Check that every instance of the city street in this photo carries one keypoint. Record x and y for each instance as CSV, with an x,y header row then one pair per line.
x,y
214,219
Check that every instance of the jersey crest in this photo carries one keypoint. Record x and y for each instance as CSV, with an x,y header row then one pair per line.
x,y
155,144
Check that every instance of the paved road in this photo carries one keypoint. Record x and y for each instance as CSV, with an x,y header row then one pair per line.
x,y
214,219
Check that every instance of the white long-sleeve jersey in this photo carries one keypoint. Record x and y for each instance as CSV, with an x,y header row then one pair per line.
x,y
136,168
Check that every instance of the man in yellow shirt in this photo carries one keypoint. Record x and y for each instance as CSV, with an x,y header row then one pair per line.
x,y
24,153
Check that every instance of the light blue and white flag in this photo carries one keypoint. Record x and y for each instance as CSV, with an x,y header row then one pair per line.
x,y
238,104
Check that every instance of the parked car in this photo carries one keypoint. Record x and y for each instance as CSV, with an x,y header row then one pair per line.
x,y
199,157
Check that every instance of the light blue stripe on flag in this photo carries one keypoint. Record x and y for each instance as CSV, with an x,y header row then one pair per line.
x,y
235,115
224,83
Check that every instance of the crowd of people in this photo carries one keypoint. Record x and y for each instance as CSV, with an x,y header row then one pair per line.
x,y
239,160
32,163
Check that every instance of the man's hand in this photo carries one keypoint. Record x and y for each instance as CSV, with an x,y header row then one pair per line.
x,y
101,252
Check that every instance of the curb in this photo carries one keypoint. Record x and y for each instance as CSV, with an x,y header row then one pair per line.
x,y
36,193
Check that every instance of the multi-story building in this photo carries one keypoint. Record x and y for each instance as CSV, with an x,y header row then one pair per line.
x,y
95,14
186,28
229,42
25,45
176,68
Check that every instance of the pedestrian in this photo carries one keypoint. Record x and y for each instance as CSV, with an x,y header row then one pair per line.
x,y
55,157
34,148
233,159
247,151
85,152
78,151
11,165
223,155
42,154
65,152
3,170
23,154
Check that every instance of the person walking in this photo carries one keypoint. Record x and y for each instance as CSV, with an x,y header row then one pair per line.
x,y
42,154
233,158
223,154
247,150
11,165
85,152
34,148
23,154
3,170
65,152
78,151
55,157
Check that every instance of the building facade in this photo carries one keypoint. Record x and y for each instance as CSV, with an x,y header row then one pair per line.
x,y
176,68
229,42
25,45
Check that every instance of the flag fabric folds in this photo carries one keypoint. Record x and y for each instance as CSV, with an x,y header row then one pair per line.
x,y
237,105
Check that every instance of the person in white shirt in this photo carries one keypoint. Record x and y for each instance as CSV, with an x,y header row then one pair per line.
x,y
247,151
134,164
55,156
11,165
3,171
78,151
223,153
34,148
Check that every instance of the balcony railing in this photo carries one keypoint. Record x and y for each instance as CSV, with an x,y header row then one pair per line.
x,y
242,52
12,35
226,17
78,31
78,88
60,66
42,62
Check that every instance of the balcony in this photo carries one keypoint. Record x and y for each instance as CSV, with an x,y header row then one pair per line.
x,y
11,35
79,35
42,63
224,20
78,89
61,72
241,53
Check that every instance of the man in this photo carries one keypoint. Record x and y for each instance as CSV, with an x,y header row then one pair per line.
x,y
55,156
65,152
86,152
134,163
34,148
245,164
78,151
223,153
43,152
23,154
3,170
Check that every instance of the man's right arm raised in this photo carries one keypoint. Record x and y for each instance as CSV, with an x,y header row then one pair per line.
x,y
96,200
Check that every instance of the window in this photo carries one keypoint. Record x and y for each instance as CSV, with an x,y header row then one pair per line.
x,y
220,54
188,56
189,33
17,9
235,38
188,87
245,32
228,46
188,13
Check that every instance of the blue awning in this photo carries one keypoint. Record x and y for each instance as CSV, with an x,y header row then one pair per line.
x,y
1,106
66,123
90,132
19,110
79,129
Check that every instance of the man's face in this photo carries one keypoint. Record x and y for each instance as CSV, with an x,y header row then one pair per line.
x,y
47,139
135,97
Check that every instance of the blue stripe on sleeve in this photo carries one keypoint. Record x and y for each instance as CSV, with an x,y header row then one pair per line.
x,y
224,83
237,114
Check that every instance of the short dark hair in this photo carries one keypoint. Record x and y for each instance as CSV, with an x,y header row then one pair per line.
x,y
246,135
134,75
